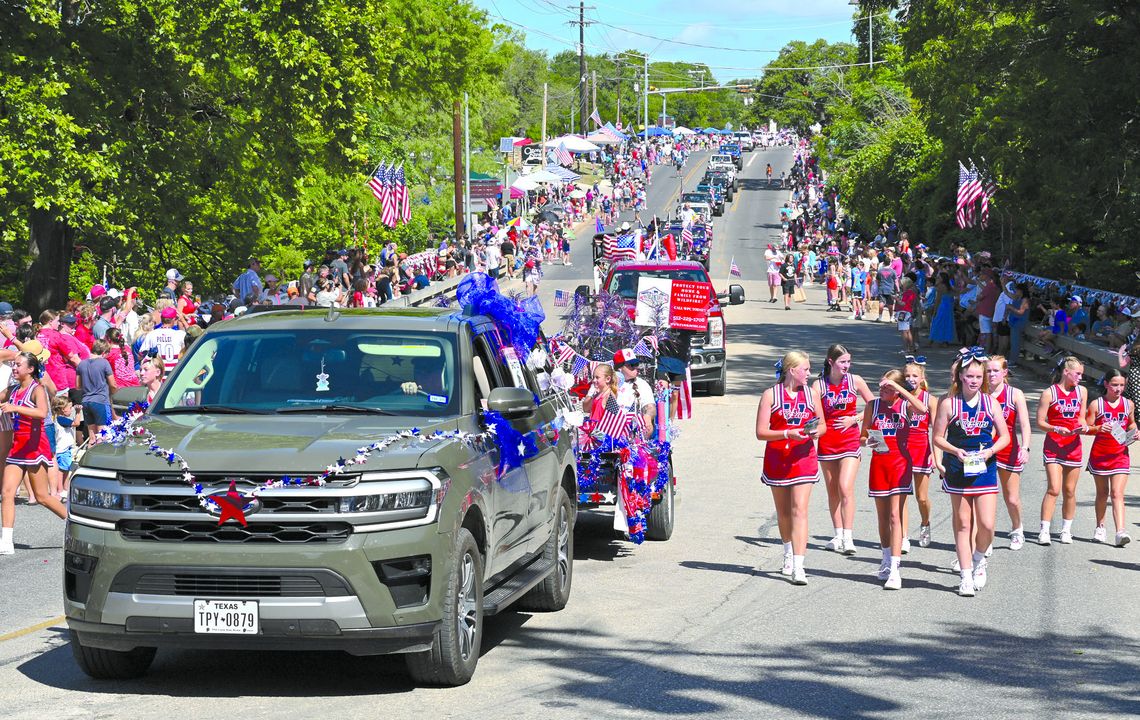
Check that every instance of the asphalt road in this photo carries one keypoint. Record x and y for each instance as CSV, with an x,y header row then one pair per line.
x,y
702,625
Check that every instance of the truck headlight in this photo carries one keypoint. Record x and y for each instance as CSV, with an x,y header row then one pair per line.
x,y
716,332
407,500
99,499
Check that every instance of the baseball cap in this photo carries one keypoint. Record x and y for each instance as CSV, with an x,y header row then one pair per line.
x,y
270,278
97,291
173,274
308,263
1076,299
169,313
342,252
69,319
108,303
114,292
625,356
6,308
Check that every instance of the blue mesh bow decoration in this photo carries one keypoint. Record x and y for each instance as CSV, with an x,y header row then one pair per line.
x,y
779,365
479,294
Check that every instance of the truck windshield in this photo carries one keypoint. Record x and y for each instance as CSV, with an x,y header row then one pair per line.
x,y
695,197
624,282
317,370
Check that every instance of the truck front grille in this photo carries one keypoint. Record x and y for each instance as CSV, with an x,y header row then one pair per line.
x,y
208,531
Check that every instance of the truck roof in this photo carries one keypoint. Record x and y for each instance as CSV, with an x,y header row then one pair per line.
x,y
657,265
297,317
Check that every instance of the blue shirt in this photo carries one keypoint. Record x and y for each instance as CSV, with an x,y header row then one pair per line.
x,y
248,282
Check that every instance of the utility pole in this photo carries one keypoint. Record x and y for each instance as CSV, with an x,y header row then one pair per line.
x,y
871,38
581,23
645,95
617,63
594,76
467,160
457,166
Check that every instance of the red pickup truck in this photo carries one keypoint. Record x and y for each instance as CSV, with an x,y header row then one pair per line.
x,y
709,351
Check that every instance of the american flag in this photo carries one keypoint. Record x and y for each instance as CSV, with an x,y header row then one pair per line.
x,y
389,213
561,298
685,401
562,155
579,365
612,421
492,203
611,134
686,235
562,352
403,207
969,191
596,117
376,184
734,269
987,193
642,349
622,248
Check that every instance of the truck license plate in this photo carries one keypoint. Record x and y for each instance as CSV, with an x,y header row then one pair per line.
x,y
237,617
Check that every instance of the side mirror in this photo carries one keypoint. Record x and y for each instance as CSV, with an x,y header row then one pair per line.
x,y
735,295
583,293
512,403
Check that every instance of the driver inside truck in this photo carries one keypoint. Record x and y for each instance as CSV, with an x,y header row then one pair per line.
x,y
427,376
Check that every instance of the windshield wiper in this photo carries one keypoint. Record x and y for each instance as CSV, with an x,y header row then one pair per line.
x,y
220,409
336,407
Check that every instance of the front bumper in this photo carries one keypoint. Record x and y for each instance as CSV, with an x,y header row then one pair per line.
x,y
116,607
706,364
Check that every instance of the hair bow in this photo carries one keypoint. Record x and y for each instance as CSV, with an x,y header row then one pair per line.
x,y
916,359
975,352
1060,362
779,365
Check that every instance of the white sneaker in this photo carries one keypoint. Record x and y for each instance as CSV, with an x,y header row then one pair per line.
x,y
894,581
905,546
956,566
787,569
799,577
980,575
990,550
1123,538
8,548
1016,540
1100,534
1043,538
848,547
1066,537
884,570
835,544
966,588
924,536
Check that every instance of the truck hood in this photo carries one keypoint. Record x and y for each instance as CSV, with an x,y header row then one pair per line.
x,y
294,445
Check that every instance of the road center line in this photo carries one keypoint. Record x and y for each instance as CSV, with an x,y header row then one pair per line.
x,y
32,628
751,160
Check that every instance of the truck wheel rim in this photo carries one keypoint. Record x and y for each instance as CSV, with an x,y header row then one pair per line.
x,y
563,545
467,615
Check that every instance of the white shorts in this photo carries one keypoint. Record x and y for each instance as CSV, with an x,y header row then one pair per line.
x,y
985,324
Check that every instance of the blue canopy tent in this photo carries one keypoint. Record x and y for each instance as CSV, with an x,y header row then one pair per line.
x,y
655,132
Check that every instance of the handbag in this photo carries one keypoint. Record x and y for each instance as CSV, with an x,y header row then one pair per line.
x,y
799,295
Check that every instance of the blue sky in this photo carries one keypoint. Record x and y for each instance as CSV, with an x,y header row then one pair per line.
x,y
746,27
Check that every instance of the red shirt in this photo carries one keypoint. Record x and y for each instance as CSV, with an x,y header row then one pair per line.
x,y
906,302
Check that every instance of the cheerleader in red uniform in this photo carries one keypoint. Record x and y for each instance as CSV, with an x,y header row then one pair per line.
x,y
924,456
891,466
788,420
31,454
1109,461
1011,460
839,450
1061,416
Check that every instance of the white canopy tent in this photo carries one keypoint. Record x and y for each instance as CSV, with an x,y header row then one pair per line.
x,y
573,143
682,130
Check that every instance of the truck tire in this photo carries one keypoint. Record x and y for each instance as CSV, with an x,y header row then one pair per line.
x,y
716,388
551,594
659,525
455,650
103,664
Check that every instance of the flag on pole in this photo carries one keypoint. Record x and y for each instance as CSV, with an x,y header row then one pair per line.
x,y
960,214
562,155
612,420
975,193
403,206
389,213
987,193
596,117
686,236
621,248
376,184
734,269
685,400
561,298
579,365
